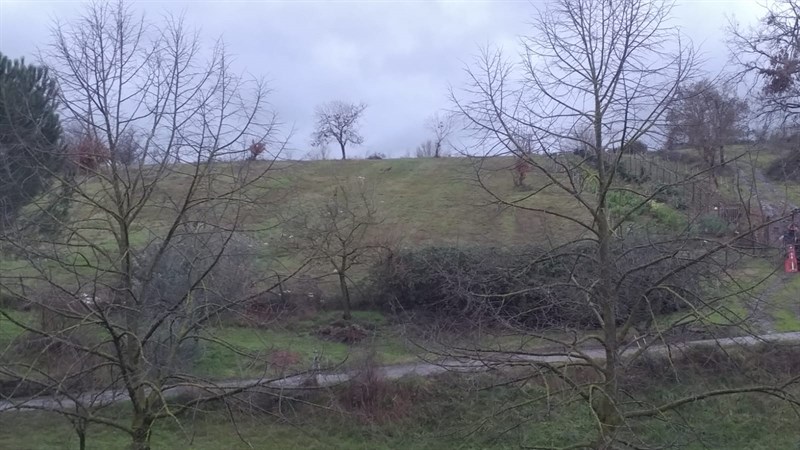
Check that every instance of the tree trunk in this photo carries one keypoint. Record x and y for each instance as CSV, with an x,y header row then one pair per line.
x,y
345,295
344,155
436,151
82,439
605,403
709,156
721,155
142,425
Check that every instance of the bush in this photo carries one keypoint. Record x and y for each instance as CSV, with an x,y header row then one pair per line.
x,y
634,147
376,156
527,286
342,331
371,398
621,203
771,360
672,196
786,168
299,298
712,224
667,216
202,274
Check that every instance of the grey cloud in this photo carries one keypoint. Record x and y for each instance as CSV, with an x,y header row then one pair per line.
x,y
396,56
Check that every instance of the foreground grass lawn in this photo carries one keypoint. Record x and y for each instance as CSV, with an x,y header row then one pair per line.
x,y
439,414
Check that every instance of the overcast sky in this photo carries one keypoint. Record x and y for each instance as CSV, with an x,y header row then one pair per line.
x,y
399,57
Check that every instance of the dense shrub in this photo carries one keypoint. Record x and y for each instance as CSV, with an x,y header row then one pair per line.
x,y
621,203
526,286
712,224
681,156
668,217
371,398
299,298
343,331
785,168
768,360
635,147
200,275
671,195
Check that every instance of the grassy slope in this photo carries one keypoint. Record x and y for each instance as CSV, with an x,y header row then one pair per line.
x,y
429,201
425,201
419,202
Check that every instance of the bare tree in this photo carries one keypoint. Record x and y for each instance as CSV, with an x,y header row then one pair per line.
x,y
613,68
768,55
320,153
337,232
426,150
153,252
338,121
255,149
707,117
127,151
441,125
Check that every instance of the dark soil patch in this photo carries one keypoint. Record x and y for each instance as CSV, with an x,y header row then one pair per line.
x,y
343,331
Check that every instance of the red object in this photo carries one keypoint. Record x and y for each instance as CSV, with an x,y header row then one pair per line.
x,y
790,264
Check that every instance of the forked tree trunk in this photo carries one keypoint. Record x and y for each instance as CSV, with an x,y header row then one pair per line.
x,y
142,426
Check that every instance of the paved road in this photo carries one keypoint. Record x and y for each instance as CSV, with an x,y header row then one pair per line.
x,y
465,364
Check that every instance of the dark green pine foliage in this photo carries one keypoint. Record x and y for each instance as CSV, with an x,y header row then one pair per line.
x,y
30,135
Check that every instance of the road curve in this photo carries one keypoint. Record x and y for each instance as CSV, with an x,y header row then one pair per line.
x,y
467,363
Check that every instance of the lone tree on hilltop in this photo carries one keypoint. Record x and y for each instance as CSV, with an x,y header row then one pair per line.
x,y
441,126
30,135
338,121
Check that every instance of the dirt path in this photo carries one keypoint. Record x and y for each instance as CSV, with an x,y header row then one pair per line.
x,y
466,364
773,198
774,203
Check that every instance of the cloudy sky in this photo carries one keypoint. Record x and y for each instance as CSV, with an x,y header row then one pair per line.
x,y
399,57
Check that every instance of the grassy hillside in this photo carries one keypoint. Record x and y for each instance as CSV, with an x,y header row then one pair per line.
x,y
426,201
418,202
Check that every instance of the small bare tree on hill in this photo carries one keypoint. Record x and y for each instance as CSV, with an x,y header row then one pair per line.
x,y
441,125
426,150
338,121
338,232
